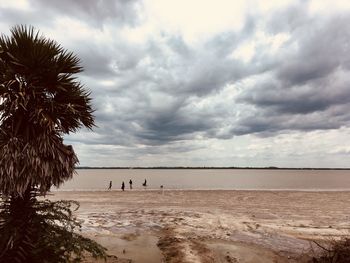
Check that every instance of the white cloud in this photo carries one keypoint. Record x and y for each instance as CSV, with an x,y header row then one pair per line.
x,y
18,4
329,6
196,19
245,52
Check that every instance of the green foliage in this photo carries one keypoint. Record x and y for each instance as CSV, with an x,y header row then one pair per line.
x,y
38,80
42,232
40,101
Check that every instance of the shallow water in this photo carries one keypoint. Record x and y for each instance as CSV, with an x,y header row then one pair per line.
x,y
227,179
143,248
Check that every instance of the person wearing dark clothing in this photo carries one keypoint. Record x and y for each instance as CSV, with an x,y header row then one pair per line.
x,y
145,183
110,185
130,183
123,186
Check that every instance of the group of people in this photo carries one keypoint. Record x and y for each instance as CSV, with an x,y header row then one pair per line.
x,y
123,185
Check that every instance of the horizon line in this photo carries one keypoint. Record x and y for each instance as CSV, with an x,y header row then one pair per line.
x,y
213,167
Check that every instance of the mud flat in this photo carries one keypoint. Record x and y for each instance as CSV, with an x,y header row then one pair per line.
x,y
210,226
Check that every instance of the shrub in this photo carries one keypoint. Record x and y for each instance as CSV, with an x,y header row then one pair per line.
x,y
48,233
334,252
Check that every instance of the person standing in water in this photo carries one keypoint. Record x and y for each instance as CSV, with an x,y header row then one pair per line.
x,y
145,184
130,183
110,185
123,186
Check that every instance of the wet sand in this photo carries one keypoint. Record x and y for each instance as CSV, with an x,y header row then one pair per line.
x,y
210,226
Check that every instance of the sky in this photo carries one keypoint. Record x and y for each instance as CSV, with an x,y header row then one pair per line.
x,y
205,83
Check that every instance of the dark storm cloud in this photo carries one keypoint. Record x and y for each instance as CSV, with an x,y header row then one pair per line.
x,y
145,77
310,83
323,47
95,62
99,58
180,69
141,122
270,124
306,88
172,125
315,96
106,62
148,93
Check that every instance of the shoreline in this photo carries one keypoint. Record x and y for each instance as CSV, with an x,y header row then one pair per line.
x,y
210,225
202,190
208,168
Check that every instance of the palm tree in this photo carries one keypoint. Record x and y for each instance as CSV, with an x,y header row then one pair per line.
x,y
40,101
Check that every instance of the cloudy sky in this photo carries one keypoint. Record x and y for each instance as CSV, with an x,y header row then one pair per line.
x,y
206,83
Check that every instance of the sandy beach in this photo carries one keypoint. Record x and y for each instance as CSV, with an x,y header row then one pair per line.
x,y
144,226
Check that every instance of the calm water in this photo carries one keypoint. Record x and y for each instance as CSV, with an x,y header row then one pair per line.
x,y
211,179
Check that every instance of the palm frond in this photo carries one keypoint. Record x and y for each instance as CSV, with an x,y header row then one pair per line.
x,y
40,100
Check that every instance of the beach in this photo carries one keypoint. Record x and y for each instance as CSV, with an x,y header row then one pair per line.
x,y
151,226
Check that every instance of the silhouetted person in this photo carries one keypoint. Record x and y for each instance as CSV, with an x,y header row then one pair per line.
x,y
123,186
110,185
144,183
130,183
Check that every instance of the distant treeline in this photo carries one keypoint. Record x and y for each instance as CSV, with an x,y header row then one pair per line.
x,y
213,167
